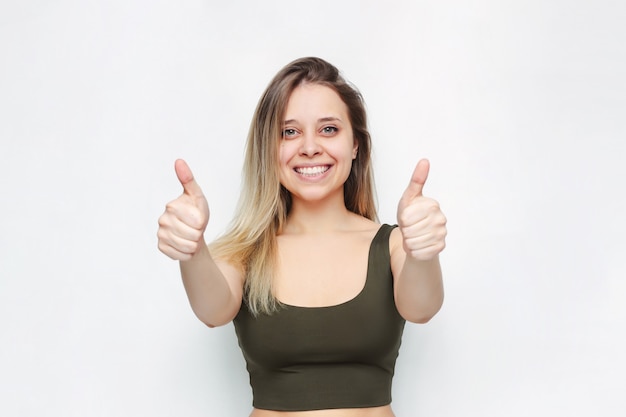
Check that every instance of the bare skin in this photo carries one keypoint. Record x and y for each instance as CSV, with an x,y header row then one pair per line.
x,y
324,268
384,411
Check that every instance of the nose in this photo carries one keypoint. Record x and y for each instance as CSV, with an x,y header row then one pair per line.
x,y
310,145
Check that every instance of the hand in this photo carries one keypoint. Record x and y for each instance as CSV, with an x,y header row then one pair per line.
x,y
421,222
181,227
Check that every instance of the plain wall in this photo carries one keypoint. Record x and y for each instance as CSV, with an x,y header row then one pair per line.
x,y
520,107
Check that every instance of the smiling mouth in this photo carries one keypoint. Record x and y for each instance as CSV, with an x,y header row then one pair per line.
x,y
312,171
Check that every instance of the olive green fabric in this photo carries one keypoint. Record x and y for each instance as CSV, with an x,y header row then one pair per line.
x,y
342,356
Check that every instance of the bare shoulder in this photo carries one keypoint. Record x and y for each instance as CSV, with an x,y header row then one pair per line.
x,y
229,268
365,227
396,250
234,275
395,240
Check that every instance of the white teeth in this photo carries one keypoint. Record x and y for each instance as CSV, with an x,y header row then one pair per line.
x,y
310,171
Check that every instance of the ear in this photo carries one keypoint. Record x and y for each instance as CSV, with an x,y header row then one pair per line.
x,y
355,149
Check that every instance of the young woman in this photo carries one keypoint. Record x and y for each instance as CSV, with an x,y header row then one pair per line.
x,y
318,290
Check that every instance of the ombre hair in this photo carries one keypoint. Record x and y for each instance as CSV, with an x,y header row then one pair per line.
x,y
264,204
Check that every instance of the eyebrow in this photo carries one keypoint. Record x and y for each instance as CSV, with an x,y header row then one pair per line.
x,y
322,120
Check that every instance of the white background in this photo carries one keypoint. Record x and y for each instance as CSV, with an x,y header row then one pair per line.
x,y
519,105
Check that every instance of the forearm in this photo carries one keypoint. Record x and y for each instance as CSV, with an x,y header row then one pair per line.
x,y
419,289
210,296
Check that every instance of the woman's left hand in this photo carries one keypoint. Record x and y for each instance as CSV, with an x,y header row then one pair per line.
x,y
421,222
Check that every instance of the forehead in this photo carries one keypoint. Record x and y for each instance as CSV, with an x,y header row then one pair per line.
x,y
314,101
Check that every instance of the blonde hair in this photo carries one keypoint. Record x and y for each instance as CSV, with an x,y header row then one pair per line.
x,y
264,204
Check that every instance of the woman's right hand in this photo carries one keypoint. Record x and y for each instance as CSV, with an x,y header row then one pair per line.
x,y
182,225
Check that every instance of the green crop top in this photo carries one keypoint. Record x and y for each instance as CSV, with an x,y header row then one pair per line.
x,y
342,356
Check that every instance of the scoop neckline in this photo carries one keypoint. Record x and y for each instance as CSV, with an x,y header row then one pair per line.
x,y
358,295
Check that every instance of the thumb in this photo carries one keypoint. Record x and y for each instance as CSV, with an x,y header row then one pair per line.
x,y
418,179
185,176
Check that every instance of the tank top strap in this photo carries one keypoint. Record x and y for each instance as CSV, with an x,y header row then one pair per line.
x,y
379,262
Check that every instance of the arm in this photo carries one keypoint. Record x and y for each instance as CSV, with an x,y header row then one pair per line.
x,y
214,288
418,285
415,248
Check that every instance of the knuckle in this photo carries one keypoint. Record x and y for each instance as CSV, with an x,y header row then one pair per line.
x,y
171,206
434,207
167,250
404,219
195,236
191,248
163,220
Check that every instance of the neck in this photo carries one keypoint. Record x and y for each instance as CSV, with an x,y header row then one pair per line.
x,y
318,217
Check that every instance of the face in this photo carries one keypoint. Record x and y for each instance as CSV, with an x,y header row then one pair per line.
x,y
317,147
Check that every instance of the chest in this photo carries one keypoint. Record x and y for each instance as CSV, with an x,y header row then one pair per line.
x,y
318,271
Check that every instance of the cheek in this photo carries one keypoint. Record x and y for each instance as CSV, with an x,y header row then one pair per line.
x,y
286,152
283,155
348,150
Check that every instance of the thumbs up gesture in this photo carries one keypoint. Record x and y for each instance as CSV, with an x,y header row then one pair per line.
x,y
182,225
421,222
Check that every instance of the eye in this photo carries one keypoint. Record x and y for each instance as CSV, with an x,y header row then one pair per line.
x,y
289,133
329,130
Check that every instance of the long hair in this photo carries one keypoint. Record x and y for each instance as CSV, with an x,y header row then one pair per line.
x,y
264,204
